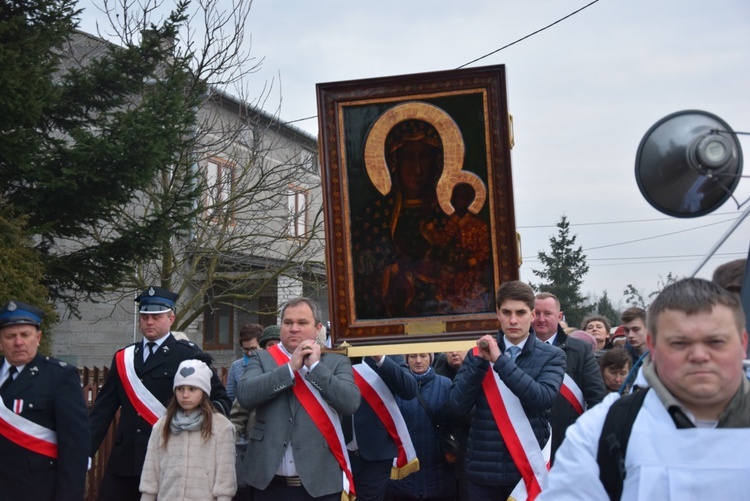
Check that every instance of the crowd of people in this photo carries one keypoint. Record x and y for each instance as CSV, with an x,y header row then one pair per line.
x,y
538,410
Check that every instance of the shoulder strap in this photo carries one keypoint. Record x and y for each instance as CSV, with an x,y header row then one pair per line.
x,y
427,409
613,442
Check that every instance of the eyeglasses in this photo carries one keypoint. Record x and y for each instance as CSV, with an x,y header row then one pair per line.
x,y
249,350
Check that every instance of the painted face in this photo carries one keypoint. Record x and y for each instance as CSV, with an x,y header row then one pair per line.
x,y
417,166
599,331
613,378
699,358
418,362
636,332
156,325
20,343
189,397
546,317
455,358
298,325
515,319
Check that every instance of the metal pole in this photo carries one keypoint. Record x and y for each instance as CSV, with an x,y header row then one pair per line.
x,y
135,318
721,241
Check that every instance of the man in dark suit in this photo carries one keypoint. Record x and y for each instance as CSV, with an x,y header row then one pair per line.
x,y
295,453
148,367
580,365
371,448
42,398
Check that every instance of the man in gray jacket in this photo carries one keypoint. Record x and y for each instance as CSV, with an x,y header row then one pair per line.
x,y
295,452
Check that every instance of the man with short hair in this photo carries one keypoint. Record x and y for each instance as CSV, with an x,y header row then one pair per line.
x,y
689,429
44,432
509,374
249,342
584,386
296,448
140,385
634,324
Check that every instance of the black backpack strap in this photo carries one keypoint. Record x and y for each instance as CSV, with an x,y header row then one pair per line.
x,y
613,441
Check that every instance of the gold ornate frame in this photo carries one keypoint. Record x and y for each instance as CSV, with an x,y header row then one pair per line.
x,y
468,109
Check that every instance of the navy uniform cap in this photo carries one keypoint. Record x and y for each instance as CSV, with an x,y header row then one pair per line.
x,y
16,313
156,300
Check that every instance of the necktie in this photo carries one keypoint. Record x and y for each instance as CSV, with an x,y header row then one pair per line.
x,y
151,346
347,426
11,372
513,351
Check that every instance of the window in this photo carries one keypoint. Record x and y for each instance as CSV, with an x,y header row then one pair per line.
x,y
218,327
219,181
297,200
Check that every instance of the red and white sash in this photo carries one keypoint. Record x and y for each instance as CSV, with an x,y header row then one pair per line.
x,y
144,402
376,393
325,418
572,394
27,434
532,462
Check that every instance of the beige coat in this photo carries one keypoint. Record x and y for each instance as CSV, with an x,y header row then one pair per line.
x,y
190,469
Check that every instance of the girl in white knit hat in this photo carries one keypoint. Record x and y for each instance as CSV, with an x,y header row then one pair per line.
x,y
190,453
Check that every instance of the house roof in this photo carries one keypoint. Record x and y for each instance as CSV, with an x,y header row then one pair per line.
x,y
83,47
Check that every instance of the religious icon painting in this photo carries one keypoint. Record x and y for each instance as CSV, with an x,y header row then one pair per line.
x,y
420,227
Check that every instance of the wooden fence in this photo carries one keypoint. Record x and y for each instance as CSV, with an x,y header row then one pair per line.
x,y
91,382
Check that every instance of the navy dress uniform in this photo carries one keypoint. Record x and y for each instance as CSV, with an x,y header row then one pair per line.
x,y
45,393
157,375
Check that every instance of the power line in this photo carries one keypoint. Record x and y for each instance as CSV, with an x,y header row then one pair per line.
x,y
490,53
657,236
540,226
302,119
529,35
632,258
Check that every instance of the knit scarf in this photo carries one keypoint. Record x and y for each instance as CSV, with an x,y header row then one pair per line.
x,y
182,422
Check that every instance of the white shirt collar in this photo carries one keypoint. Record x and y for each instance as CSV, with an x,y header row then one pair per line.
x,y
552,339
509,344
158,342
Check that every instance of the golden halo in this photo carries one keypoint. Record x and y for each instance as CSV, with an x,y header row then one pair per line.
x,y
453,153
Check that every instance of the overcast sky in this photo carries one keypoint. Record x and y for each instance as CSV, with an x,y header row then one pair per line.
x,y
582,94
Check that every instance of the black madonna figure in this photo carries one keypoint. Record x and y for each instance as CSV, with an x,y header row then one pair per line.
x,y
397,258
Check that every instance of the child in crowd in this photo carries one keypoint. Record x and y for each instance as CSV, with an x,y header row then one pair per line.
x,y
190,453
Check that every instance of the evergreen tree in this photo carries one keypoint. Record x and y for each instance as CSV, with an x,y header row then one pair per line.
x,y
21,271
82,135
605,308
565,267
103,146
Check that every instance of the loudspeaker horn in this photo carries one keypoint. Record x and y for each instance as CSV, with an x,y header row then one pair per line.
x,y
688,163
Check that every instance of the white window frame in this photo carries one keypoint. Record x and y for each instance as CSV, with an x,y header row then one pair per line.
x,y
297,204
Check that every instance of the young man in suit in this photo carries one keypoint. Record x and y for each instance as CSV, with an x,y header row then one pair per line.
x,y
528,373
